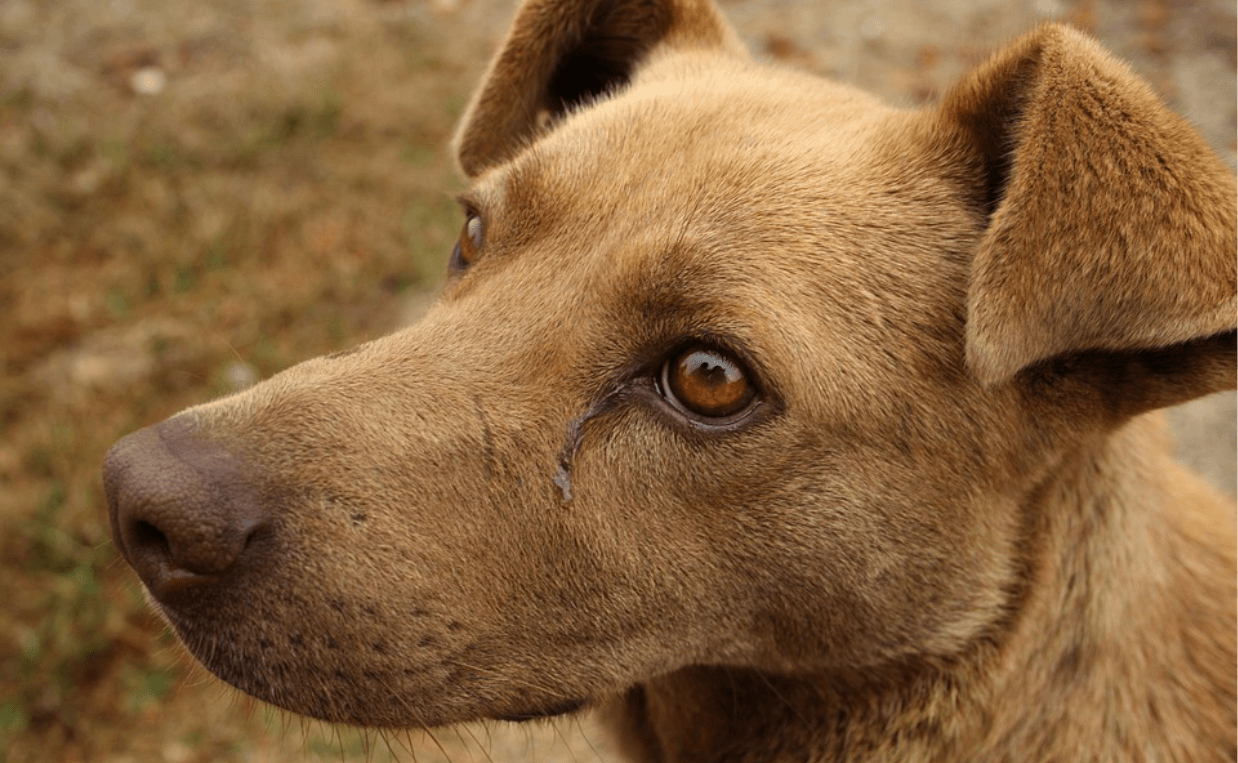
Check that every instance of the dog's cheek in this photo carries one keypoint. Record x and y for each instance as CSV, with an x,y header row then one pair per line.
x,y
689,527
819,551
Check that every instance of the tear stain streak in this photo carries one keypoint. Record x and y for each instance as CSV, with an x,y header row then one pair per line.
x,y
575,435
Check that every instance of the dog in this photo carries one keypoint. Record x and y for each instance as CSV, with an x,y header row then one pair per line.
x,y
769,422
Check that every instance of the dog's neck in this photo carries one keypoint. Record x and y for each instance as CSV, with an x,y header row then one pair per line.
x,y
1116,612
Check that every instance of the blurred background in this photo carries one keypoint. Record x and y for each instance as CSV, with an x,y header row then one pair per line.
x,y
194,195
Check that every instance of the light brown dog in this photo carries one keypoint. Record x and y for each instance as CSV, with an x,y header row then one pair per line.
x,y
777,423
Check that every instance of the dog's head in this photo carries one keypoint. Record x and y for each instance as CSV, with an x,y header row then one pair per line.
x,y
734,366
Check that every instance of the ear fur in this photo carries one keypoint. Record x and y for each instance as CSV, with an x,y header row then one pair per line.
x,y
1112,224
560,53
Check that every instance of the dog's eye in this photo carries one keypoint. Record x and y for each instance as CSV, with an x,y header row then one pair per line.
x,y
707,382
468,245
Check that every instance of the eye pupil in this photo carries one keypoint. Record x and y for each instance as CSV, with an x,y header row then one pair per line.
x,y
708,383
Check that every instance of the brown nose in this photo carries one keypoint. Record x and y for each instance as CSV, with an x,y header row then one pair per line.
x,y
181,511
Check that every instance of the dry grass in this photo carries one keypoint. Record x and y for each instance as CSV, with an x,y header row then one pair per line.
x,y
282,195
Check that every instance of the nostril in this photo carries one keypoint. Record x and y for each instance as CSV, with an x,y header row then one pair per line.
x,y
182,513
148,536
253,535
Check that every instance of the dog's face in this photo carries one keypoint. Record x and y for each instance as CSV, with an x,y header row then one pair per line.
x,y
697,392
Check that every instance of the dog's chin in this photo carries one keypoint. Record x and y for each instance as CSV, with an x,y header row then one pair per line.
x,y
425,696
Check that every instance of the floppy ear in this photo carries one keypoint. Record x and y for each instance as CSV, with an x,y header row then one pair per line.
x,y
1111,234
560,53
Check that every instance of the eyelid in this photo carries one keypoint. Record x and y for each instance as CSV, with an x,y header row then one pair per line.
x,y
469,203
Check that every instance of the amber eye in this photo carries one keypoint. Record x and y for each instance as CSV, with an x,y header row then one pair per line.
x,y
468,245
707,382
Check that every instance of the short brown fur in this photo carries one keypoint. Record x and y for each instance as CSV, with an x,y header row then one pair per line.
x,y
949,530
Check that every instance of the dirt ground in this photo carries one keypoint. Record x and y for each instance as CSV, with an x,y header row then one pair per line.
x,y
194,195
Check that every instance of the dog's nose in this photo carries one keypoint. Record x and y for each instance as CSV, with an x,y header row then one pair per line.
x,y
181,510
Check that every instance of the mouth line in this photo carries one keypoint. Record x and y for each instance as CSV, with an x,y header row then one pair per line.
x,y
561,708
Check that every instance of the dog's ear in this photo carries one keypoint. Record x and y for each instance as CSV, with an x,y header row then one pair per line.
x,y
560,53
1111,228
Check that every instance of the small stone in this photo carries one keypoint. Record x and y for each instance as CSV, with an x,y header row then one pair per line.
x,y
149,80
240,375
